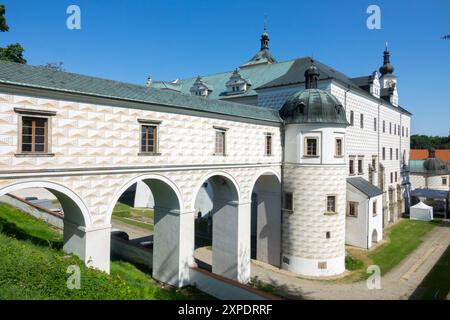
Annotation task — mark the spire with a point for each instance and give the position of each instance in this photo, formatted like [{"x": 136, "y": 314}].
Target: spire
[
  {"x": 265, "y": 36},
  {"x": 311, "y": 76},
  {"x": 387, "y": 67}
]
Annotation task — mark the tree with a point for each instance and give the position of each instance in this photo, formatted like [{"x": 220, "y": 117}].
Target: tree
[
  {"x": 426, "y": 142},
  {"x": 57, "y": 66},
  {"x": 3, "y": 26},
  {"x": 446, "y": 37},
  {"x": 13, "y": 52}
]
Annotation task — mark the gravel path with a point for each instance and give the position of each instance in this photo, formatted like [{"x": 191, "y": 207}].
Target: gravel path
[{"x": 399, "y": 283}]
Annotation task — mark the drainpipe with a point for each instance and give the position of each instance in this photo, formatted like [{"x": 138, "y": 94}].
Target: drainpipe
[
  {"x": 282, "y": 137},
  {"x": 367, "y": 222}
]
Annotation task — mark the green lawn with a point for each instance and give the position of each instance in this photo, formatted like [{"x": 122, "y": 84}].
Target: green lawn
[
  {"x": 32, "y": 266},
  {"x": 141, "y": 218},
  {"x": 400, "y": 240},
  {"x": 436, "y": 284}
]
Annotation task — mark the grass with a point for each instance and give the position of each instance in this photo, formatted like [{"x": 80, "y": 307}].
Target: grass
[
  {"x": 436, "y": 284},
  {"x": 141, "y": 218},
  {"x": 32, "y": 266},
  {"x": 400, "y": 241},
  {"x": 125, "y": 211},
  {"x": 263, "y": 286}
]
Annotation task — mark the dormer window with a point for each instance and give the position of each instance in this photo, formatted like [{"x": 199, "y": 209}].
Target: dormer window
[
  {"x": 200, "y": 88},
  {"x": 237, "y": 84}
]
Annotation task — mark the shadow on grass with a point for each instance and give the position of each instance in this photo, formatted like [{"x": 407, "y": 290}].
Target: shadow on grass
[{"x": 12, "y": 230}]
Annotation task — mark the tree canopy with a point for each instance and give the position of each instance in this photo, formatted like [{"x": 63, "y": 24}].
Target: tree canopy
[
  {"x": 426, "y": 142},
  {"x": 13, "y": 52},
  {"x": 3, "y": 26}
]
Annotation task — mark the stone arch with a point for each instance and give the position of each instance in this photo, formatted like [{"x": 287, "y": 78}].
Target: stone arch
[
  {"x": 265, "y": 227},
  {"x": 68, "y": 198},
  {"x": 172, "y": 234},
  {"x": 230, "y": 227},
  {"x": 80, "y": 237},
  {"x": 206, "y": 177},
  {"x": 144, "y": 177}
]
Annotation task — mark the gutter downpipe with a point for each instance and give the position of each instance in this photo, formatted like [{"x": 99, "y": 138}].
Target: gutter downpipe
[{"x": 283, "y": 130}]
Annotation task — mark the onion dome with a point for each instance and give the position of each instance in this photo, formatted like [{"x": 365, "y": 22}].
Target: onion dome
[
  {"x": 434, "y": 166},
  {"x": 387, "y": 67}
]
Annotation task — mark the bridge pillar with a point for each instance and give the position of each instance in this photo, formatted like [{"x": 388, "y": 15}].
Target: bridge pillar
[
  {"x": 231, "y": 241},
  {"x": 173, "y": 246},
  {"x": 91, "y": 244}
]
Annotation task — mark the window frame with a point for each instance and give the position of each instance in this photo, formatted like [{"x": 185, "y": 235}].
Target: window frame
[
  {"x": 268, "y": 147},
  {"x": 352, "y": 118},
  {"x": 222, "y": 131},
  {"x": 446, "y": 181},
  {"x": 361, "y": 121},
  {"x": 374, "y": 208},
  {"x": 291, "y": 194},
  {"x": 336, "y": 154},
  {"x": 305, "y": 147},
  {"x": 327, "y": 212},
  {"x": 35, "y": 114},
  {"x": 356, "y": 205},
  {"x": 351, "y": 164},
  {"x": 149, "y": 123},
  {"x": 360, "y": 160}
]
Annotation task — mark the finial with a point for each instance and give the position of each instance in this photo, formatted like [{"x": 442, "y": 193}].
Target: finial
[
  {"x": 265, "y": 22},
  {"x": 386, "y": 46}
]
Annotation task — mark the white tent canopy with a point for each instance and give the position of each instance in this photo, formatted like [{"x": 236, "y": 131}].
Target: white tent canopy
[{"x": 421, "y": 212}]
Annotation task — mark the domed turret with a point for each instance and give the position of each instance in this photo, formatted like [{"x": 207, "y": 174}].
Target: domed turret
[
  {"x": 313, "y": 105},
  {"x": 434, "y": 166}
]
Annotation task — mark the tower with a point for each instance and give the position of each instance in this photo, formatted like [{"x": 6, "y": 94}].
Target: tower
[{"x": 314, "y": 181}]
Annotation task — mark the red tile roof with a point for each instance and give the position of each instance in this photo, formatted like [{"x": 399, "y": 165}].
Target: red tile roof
[{"x": 422, "y": 154}]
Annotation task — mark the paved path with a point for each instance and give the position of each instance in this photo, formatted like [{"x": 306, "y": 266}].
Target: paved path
[
  {"x": 399, "y": 283},
  {"x": 134, "y": 232}
]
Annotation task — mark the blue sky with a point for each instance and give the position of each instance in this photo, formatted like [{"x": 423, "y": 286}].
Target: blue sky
[{"x": 127, "y": 40}]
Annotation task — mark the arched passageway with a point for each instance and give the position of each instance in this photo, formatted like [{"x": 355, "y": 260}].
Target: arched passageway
[
  {"x": 266, "y": 219},
  {"x": 91, "y": 244},
  {"x": 171, "y": 253},
  {"x": 374, "y": 236},
  {"x": 227, "y": 223}
]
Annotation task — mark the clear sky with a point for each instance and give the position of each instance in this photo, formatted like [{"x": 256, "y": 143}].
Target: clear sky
[{"x": 127, "y": 40}]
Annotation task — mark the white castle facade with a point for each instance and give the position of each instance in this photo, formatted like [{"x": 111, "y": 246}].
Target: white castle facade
[{"x": 295, "y": 154}]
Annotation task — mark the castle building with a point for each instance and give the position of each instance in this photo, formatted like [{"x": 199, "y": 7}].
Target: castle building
[{"x": 298, "y": 159}]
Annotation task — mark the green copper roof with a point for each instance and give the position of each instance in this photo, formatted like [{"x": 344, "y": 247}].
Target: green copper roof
[
  {"x": 44, "y": 78},
  {"x": 313, "y": 106},
  {"x": 258, "y": 75}
]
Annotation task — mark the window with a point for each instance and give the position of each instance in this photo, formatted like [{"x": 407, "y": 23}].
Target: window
[
  {"x": 407, "y": 132},
  {"x": 352, "y": 209},
  {"x": 322, "y": 265},
  {"x": 398, "y": 130},
  {"x": 361, "y": 120},
  {"x": 390, "y": 127},
  {"x": 360, "y": 166},
  {"x": 288, "y": 203},
  {"x": 374, "y": 163},
  {"x": 220, "y": 142},
  {"x": 268, "y": 144},
  {"x": 328, "y": 234},
  {"x": 384, "y": 153},
  {"x": 338, "y": 152},
  {"x": 148, "y": 138},
  {"x": 34, "y": 135},
  {"x": 352, "y": 118},
  {"x": 403, "y": 131},
  {"x": 392, "y": 177},
  {"x": 311, "y": 147},
  {"x": 390, "y": 153},
  {"x": 395, "y": 129},
  {"x": 396, "y": 154},
  {"x": 331, "y": 204},
  {"x": 374, "y": 124},
  {"x": 374, "y": 208},
  {"x": 444, "y": 181},
  {"x": 351, "y": 168},
  {"x": 396, "y": 176},
  {"x": 384, "y": 126}
]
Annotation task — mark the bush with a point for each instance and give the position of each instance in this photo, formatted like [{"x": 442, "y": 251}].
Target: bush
[{"x": 353, "y": 264}]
